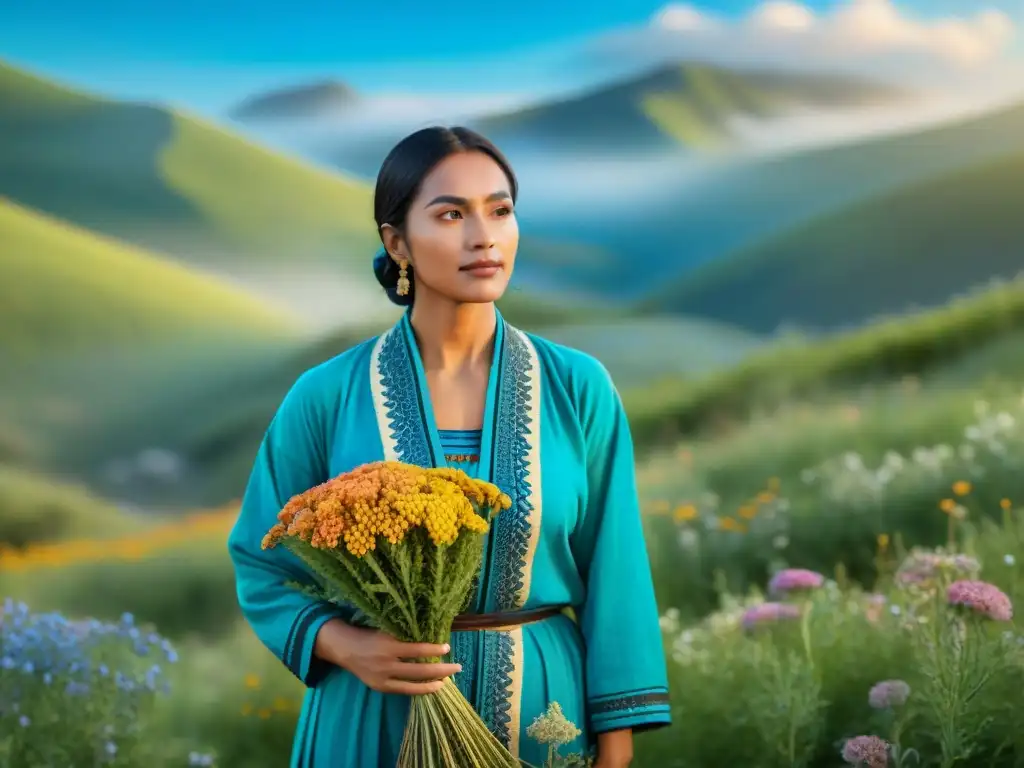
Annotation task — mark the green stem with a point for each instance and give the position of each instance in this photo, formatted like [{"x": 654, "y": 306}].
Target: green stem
[
  {"x": 386, "y": 583},
  {"x": 805, "y": 633}
]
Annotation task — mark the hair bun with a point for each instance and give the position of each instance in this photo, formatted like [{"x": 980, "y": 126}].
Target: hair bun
[{"x": 386, "y": 271}]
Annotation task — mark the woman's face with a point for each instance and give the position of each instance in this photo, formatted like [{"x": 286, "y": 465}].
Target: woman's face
[{"x": 461, "y": 233}]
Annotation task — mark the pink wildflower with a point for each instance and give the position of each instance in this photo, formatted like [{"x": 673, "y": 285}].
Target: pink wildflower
[
  {"x": 767, "y": 613},
  {"x": 869, "y": 751},
  {"x": 888, "y": 694},
  {"x": 980, "y": 597},
  {"x": 794, "y": 580}
]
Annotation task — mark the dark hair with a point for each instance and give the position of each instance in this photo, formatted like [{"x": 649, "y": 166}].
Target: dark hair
[{"x": 399, "y": 180}]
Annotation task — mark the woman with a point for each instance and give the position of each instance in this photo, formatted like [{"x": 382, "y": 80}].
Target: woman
[{"x": 453, "y": 384}]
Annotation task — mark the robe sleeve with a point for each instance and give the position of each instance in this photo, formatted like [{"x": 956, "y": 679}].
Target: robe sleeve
[
  {"x": 291, "y": 459},
  {"x": 626, "y": 676}
]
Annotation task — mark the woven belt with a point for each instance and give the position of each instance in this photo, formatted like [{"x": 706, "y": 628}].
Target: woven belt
[{"x": 471, "y": 622}]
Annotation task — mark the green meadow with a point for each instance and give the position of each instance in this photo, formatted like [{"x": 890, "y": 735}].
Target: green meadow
[{"x": 139, "y": 373}]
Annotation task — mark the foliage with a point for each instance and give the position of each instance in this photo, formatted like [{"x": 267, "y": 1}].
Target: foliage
[
  {"x": 739, "y": 513},
  {"x": 35, "y": 508},
  {"x": 884, "y": 351},
  {"x": 759, "y": 688},
  {"x": 78, "y": 692}
]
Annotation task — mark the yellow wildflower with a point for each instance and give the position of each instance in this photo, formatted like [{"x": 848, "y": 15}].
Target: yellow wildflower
[
  {"x": 731, "y": 524},
  {"x": 384, "y": 500},
  {"x": 252, "y": 681},
  {"x": 1005, "y": 504},
  {"x": 685, "y": 512},
  {"x": 883, "y": 541},
  {"x": 947, "y": 506},
  {"x": 748, "y": 511},
  {"x": 961, "y": 487}
]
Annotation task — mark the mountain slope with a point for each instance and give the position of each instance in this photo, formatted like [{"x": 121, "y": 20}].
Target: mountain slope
[
  {"x": 66, "y": 290},
  {"x": 300, "y": 102},
  {"x": 915, "y": 246},
  {"x": 171, "y": 182},
  {"x": 687, "y": 104}
]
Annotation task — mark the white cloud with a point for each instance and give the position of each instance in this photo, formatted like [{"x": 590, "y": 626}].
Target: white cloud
[
  {"x": 683, "y": 17},
  {"x": 854, "y": 30},
  {"x": 781, "y": 16}
]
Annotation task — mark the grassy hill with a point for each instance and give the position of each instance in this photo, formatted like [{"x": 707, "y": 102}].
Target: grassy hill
[
  {"x": 92, "y": 327},
  {"x": 968, "y": 340},
  {"x": 745, "y": 204},
  {"x": 915, "y": 246},
  {"x": 172, "y": 182},
  {"x": 67, "y": 290},
  {"x": 688, "y": 104}
]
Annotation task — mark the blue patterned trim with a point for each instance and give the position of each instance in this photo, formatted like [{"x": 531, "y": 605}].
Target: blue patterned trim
[
  {"x": 403, "y": 399},
  {"x": 628, "y": 701},
  {"x": 640, "y": 709},
  {"x": 494, "y": 706},
  {"x": 509, "y": 467}
]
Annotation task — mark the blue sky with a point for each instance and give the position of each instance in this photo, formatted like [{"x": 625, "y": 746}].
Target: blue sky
[{"x": 213, "y": 52}]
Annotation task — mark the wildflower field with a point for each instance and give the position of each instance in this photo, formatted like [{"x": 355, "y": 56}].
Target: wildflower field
[{"x": 837, "y": 575}]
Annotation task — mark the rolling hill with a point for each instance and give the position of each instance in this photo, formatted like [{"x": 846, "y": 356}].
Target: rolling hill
[
  {"x": 696, "y": 217},
  {"x": 682, "y": 107},
  {"x": 685, "y": 104},
  {"x": 90, "y": 327},
  {"x": 912, "y": 247},
  {"x": 65, "y": 289},
  {"x": 171, "y": 182}
]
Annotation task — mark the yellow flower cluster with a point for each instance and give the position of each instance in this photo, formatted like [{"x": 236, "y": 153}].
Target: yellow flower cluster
[{"x": 385, "y": 499}]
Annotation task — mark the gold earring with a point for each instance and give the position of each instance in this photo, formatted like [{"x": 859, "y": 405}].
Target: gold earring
[{"x": 403, "y": 278}]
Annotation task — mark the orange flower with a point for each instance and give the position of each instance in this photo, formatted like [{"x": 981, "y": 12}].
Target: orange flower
[
  {"x": 961, "y": 487},
  {"x": 1005, "y": 504},
  {"x": 383, "y": 500},
  {"x": 947, "y": 505},
  {"x": 748, "y": 511}
]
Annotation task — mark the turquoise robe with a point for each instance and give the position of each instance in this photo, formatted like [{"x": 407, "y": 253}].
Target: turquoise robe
[{"x": 556, "y": 440}]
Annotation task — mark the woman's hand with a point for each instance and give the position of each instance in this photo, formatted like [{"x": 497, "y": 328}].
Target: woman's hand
[
  {"x": 379, "y": 660},
  {"x": 615, "y": 749}
]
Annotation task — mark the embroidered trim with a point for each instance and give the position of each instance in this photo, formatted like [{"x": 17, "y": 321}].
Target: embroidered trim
[
  {"x": 628, "y": 700},
  {"x": 511, "y": 449},
  {"x": 462, "y": 458},
  {"x": 495, "y": 701},
  {"x": 403, "y": 400}
]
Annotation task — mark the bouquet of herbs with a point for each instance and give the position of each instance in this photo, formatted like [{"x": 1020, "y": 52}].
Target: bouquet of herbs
[{"x": 403, "y": 544}]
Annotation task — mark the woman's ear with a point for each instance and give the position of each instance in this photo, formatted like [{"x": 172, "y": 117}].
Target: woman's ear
[{"x": 393, "y": 243}]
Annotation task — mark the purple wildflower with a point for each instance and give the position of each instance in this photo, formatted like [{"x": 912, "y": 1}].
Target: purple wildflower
[
  {"x": 869, "y": 751},
  {"x": 767, "y": 613},
  {"x": 794, "y": 580},
  {"x": 888, "y": 694},
  {"x": 980, "y": 597}
]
